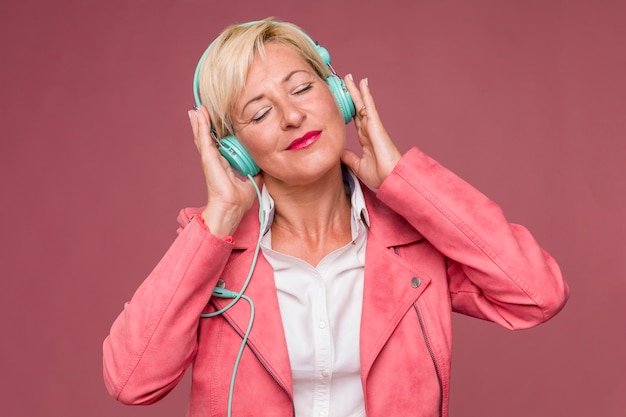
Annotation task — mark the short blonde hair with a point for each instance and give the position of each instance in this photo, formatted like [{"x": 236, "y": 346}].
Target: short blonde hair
[{"x": 225, "y": 65}]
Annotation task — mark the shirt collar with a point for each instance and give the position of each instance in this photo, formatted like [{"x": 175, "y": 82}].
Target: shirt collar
[{"x": 353, "y": 188}]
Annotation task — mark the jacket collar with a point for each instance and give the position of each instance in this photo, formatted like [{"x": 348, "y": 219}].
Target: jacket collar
[{"x": 389, "y": 227}]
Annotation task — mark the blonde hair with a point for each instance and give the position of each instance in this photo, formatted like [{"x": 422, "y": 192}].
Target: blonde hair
[{"x": 225, "y": 66}]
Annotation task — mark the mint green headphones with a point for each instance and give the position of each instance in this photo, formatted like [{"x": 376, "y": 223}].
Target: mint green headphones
[{"x": 231, "y": 149}]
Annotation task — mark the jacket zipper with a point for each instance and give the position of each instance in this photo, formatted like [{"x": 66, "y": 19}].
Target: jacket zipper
[
  {"x": 269, "y": 371},
  {"x": 432, "y": 357},
  {"x": 428, "y": 347}
]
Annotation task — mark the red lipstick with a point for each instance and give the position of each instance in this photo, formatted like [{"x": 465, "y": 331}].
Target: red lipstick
[{"x": 305, "y": 141}]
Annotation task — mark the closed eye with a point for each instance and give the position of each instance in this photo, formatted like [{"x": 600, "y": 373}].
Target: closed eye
[
  {"x": 303, "y": 88},
  {"x": 260, "y": 115}
]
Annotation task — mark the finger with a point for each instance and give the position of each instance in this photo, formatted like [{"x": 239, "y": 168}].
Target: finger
[
  {"x": 199, "y": 120},
  {"x": 351, "y": 160},
  {"x": 367, "y": 98},
  {"x": 204, "y": 139},
  {"x": 355, "y": 94},
  {"x": 204, "y": 129},
  {"x": 193, "y": 121},
  {"x": 215, "y": 165},
  {"x": 357, "y": 100},
  {"x": 357, "y": 97}
]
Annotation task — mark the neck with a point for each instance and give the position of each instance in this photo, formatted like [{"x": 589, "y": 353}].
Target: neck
[{"x": 311, "y": 221}]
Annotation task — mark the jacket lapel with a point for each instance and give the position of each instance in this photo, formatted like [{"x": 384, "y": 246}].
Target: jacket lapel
[
  {"x": 391, "y": 284},
  {"x": 267, "y": 337}
]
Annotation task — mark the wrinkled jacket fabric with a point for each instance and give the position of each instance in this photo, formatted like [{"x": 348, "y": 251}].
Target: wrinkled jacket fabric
[{"x": 435, "y": 245}]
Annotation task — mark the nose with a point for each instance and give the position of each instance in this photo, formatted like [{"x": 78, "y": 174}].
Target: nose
[{"x": 292, "y": 114}]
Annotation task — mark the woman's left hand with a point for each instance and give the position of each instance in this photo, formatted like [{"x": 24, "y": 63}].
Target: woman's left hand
[{"x": 379, "y": 154}]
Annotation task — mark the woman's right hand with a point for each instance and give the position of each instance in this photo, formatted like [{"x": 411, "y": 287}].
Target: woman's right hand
[{"x": 229, "y": 196}]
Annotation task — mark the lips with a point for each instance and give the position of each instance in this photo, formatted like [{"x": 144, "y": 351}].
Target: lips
[{"x": 305, "y": 141}]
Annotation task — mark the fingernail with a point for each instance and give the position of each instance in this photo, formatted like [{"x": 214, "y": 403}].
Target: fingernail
[
  {"x": 367, "y": 82},
  {"x": 350, "y": 76},
  {"x": 190, "y": 113}
]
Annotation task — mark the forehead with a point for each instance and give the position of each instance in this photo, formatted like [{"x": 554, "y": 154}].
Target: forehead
[{"x": 275, "y": 58}]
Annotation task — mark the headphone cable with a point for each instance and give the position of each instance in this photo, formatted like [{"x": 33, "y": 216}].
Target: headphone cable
[{"x": 236, "y": 296}]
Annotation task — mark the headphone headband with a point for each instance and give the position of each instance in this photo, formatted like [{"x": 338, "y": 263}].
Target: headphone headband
[{"x": 322, "y": 52}]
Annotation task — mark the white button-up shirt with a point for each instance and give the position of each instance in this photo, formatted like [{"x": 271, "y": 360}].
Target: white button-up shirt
[{"x": 321, "y": 313}]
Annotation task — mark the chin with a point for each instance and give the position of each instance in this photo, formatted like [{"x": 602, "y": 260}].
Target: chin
[{"x": 304, "y": 172}]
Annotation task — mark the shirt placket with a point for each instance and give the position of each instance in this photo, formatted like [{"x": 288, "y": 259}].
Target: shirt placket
[{"x": 323, "y": 352}]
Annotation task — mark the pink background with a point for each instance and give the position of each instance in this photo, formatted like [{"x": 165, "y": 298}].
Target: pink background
[{"x": 524, "y": 99}]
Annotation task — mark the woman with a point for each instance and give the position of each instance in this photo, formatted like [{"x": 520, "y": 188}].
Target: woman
[{"x": 362, "y": 259}]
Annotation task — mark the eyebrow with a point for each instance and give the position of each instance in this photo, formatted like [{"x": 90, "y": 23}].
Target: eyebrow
[{"x": 260, "y": 96}]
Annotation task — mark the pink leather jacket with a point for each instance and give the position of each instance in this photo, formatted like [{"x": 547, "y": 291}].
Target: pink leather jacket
[{"x": 435, "y": 245}]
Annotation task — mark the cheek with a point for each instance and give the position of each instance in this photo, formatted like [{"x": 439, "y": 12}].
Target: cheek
[
  {"x": 338, "y": 124},
  {"x": 255, "y": 141}
]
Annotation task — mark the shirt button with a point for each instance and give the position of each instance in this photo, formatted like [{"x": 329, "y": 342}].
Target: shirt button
[
  {"x": 415, "y": 282},
  {"x": 324, "y": 373},
  {"x": 322, "y": 325}
]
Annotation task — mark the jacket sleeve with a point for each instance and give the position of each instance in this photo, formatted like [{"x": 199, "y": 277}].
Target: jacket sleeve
[
  {"x": 496, "y": 270},
  {"x": 154, "y": 339}
]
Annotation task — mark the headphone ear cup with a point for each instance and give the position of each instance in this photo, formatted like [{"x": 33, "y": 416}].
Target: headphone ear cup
[
  {"x": 339, "y": 90},
  {"x": 237, "y": 156}
]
